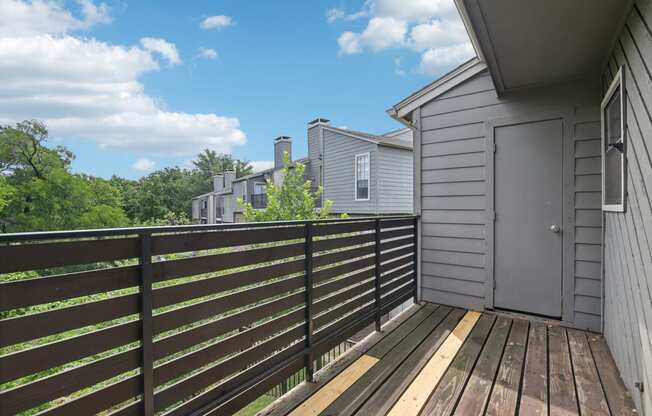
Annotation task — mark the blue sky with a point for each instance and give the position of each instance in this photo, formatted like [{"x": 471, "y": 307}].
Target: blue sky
[{"x": 132, "y": 86}]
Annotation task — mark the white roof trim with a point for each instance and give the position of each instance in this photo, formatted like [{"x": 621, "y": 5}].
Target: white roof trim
[
  {"x": 437, "y": 88},
  {"x": 376, "y": 141}
]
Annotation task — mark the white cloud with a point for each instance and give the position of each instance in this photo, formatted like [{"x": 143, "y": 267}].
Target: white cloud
[
  {"x": 381, "y": 33},
  {"x": 144, "y": 165},
  {"x": 21, "y": 18},
  {"x": 216, "y": 22},
  {"x": 335, "y": 14},
  {"x": 90, "y": 90},
  {"x": 260, "y": 165},
  {"x": 166, "y": 49},
  {"x": 432, "y": 28},
  {"x": 207, "y": 53}
]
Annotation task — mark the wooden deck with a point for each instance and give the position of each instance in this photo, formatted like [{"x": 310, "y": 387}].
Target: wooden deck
[{"x": 439, "y": 360}]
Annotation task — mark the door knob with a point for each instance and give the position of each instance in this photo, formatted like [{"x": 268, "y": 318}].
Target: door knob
[{"x": 555, "y": 228}]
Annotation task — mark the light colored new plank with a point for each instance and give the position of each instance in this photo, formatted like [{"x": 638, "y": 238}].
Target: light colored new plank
[
  {"x": 415, "y": 397},
  {"x": 331, "y": 391}
]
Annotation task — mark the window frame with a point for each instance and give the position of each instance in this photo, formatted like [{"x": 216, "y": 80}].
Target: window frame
[
  {"x": 355, "y": 175},
  {"x": 618, "y": 81},
  {"x": 260, "y": 185}
]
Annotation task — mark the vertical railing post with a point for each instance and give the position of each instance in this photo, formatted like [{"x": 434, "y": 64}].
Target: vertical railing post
[
  {"x": 146, "y": 323},
  {"x": 416, "y": 259},
  {"x": 377, "y": 273},
  {"x": 310, "y": 358}
]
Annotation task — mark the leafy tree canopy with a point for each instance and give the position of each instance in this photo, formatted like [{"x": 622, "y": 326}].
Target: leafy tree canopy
[{"x": 291, "y": 200}]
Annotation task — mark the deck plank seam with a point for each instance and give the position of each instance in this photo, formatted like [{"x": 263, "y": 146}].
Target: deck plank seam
[{"x": 475, "y": 362}]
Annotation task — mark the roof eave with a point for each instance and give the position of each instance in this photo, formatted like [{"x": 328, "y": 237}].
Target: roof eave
[{"x": 460, "y": 74}]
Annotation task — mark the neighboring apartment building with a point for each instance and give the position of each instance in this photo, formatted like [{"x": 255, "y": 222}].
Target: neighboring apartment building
[{"x": 361, "y": 173}]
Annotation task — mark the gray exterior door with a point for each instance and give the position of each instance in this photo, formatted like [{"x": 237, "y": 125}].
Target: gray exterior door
[{"x": 528, "y": 199}]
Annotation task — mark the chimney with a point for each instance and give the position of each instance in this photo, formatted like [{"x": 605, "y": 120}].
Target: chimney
[
  {"x": 218, "y": 183},
  {"x": 229, "y": 177},
  {"x": 317, "y": 121},
  {"x": 282, "y": 144}
]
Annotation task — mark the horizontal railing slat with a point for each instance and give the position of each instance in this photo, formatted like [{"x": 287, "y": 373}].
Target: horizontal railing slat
[
  {"x": 175, "y": 318},
  {"x": 244, "y": 340},
  {"x": 343, "y": 268},
  {"x": 399, "y": 271},
  {"x": 341, "y": 228},
  {"x": 188, "y": 338},
  {"x": 185, "y": 388},
  {"x": 396, "y": 283},
  {"x": 335, "y": 285},
  {"x": 341, "y": 242},
  {"x": 165, "y": 270},
  {"x": 42, "y": 324},
  {"x": 389, "y": 245},
  {"x": 178, "y": 293},
  {"x": 49, "y": 388},
  {"x": 24, "y": 257},
  {"x": 179, "y": 243},
  {"x": 43, "y": 357},
  {"x": 101, "y": 399},
  {"x": 28, "y": 292},
  {"x": 395, "y": 223},
  {"x": 330, "y": 258},
  {"x": 398, "y": 233},
  {"x": 327, "y": 318},
  {"x": 333, "y": 300},
  {"x": 395, "y": 254}
]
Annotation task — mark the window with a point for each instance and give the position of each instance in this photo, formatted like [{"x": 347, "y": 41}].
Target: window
[
  {"x": 614, "y": 145},
  {"x": 259, "y": 188},
  {"x": 362, "y": 177}
]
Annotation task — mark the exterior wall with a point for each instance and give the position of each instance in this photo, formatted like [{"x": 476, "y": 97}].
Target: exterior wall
[
  {"x": 314, "y": 153},
  {"x": 628, "y": 235},
  {"x": 452, "y": 198},
  {"x": 339, "y": 173},
  {"x": 394, "y": 180}
]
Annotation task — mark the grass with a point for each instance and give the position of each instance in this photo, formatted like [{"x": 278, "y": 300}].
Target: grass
[{"x": 256, "y": 406}]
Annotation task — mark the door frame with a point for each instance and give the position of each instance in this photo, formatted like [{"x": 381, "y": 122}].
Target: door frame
[{"x": 568, "y": 204}]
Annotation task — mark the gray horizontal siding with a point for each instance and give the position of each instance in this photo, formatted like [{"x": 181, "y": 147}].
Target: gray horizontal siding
[
  {"x": 339, "y": 173},
  {"x": 453, "y": 189},
  {"x": 628, "y": 236},
  {"x": 395, "y": 180}
]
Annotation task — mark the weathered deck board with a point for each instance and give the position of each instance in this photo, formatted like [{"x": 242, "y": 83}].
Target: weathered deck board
[
  {"x": 504, "y": 396},
  {"x": 442, "y": 401},
  {"x": 563, "y": 400},
  {"x": 385, "y": 397},
  {"x": 413, "y": 399},
  {"x": 619, "y": 399},
  {"x": 589, "y": 390},
  {"x": 534, "y": 397},
  {"x": 349, "y": 402},
  {"x": 476, "y": 395},
  {"x": 447, "y": 361}
]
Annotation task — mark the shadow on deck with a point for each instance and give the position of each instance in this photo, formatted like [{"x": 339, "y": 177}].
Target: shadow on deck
[{"x": 439, "y": 360}]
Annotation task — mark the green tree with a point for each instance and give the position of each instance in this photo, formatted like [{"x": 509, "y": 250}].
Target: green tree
[
  {"x": 292, "y": 200},
  {"x": 209, "y": 163},
  {"x": 38, "y": 191}
]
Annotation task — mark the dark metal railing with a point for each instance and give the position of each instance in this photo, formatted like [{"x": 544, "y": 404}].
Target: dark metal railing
[{"x": 188, "y": 319}]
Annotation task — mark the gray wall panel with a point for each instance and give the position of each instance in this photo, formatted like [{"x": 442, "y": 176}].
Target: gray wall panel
[
  {"x": 628, "y": 236},
  {"x": 395, "y": 180},
  {"x": 453, "y": 187}
]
